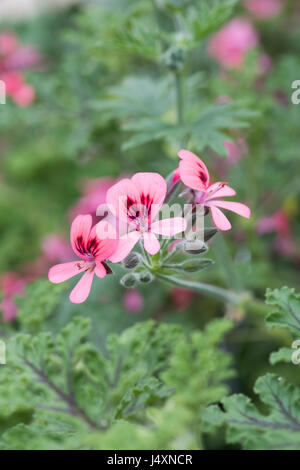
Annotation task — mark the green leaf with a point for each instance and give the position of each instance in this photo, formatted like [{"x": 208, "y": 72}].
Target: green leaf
[
  {"x": 207, "y": 16},
  {"x": 245, "y": 424},
  {"x": 287, "y": 313},
  {"x": 65, "y": 384}
]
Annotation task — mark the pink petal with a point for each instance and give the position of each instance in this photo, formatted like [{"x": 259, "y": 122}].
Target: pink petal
[
  {"x": 237, "y": 207},
  {"x": 223, "y": 191},
  {"x": 119, "y": 194},
  {"x": 151, "y": 243},
  {"x": 80, "y": 232},
  {"x": 176, "y": 176},
  {"x": 82, "y": 289},
  {"x": 220, "y": 219},
  {"x": 193, "y": 171},
  {"x": 100, "y": 270},
  {"x": 151, "y": 187},
  {"x": 125, "y": 245},
  {"x": 62, "y": 272},
  {"x": 169, "y": 227},
  {"x": 107, "y": 240}
]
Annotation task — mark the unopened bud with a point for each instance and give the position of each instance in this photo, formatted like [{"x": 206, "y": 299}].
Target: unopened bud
[
  {"x": 195, "y": 265},
  {"x": 146, "y": 277},
  {"x": 131, "y": 261},
  {"x": 129, "y": 280},
  {"x": 195, "y": 247},
  {"x": 174, "y": 58},
  {"x": 209, "y": 232}
]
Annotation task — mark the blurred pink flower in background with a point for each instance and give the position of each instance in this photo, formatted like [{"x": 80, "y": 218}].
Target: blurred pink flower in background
[
  {"x": 11, "y": 285},
  {"x": 94, "y": 193},
  {"x": 13, "y": 59},
  {"x": 284, "y": 244},
  {"x": 182, "y": 298},
  {"x": 8, "y": 43},
  {"x": 133, "y": 301},
  {"x": 277, "y": 222},
  {"x": 24, "y": 96},
  {"x": 231, "y": 43},
  {"x": 264, "y": 64},
  {"x": 55, "y": 248},
  {"x": 235, "y": 151},
  {"x": 264, "y": 9}
]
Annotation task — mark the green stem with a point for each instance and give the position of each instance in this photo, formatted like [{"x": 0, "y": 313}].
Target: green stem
[
  {"x": 179, "y": 98},
  {"x": 212, "y": 291}
]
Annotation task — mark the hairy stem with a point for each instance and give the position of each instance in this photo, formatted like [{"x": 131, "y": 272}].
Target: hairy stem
[{"x": 207, "y": 289}]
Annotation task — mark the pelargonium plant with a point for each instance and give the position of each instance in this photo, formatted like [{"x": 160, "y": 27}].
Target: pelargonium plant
[{"x": 134, "y": 216}]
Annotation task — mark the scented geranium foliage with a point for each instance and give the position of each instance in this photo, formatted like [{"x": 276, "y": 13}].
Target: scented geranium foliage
[
  {"x": 66, "y": 391},
  {"x": 133, "y": 209},
  {"x": 279, "y": 426}
]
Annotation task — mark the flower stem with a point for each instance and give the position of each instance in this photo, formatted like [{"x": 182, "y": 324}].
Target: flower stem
[
  {"x": 179, "y": 98},
  {"x": 212, "y": 291}
]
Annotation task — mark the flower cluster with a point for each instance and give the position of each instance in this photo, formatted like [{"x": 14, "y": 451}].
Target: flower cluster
[{"x": 132, "y": 212}]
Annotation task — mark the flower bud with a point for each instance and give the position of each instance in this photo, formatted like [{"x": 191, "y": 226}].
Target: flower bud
[
  {"x": 146, "y": 277},
  {"x": 129, "y": 280},
  {"x": 209, "y": 232},
  {"x": 131, "y": 261},
  {"x": 195, "y": 265},
  {"x": 174, "y": 58},
  {"x": 195, "y": 247}
]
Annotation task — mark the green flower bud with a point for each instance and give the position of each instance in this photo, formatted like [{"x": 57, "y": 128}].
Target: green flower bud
[
  {"x": 146, "y": 277},
  {"x": 131, "y": 261},
  {"x": 195, "y": 265},
  {"x": 209, "y": 232},
  {"x": 174, "y": 58},
  {"x": 195, "y": 247},
  {"x": 129, "y": 280}
]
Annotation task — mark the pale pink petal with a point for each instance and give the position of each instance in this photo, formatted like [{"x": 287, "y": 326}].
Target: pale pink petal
[
  {"x": 152, "y": 188},
  {"x": 100, "y": 270},
  {"x": 218, "y": 190},
  {"x": 120, "y": 195},
  {"x": 169, "y": 227},
  {"x": 193, "y": 172},
  {"x": 82, "y": 289},
  {"x": 62, "y": 272},
  {"x": 80, "y": 232},
  {"x": 124, "y": 247},
  {"x": 220, "y": 220},
  {"x": 237, "y": 207},
  {"x": 107, "y": 241},
  {"x": 151, "y": 243}
]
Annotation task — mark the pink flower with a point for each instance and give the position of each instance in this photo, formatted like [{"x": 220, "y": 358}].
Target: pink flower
[
  {"x": 55, "y": 248},
  {"x": 24, "y": 96},
  {"x": 263, "y": 9},
  {"x": 277, "y": 222},
  {"x": 13, "y": 59},
  {"x": 230, "y": 45},
  {"x": 194, "y": 174},
  {"x": 235, "y": 151},
  {"x": 133, "y": 301},
  {"x": 8, "y": 43},
  {"x": 182, "y": 298},
  {"x": 137, "y": 202},
  {"x": 93, "y": 246},
  {"x": 11, "y": 284}
]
